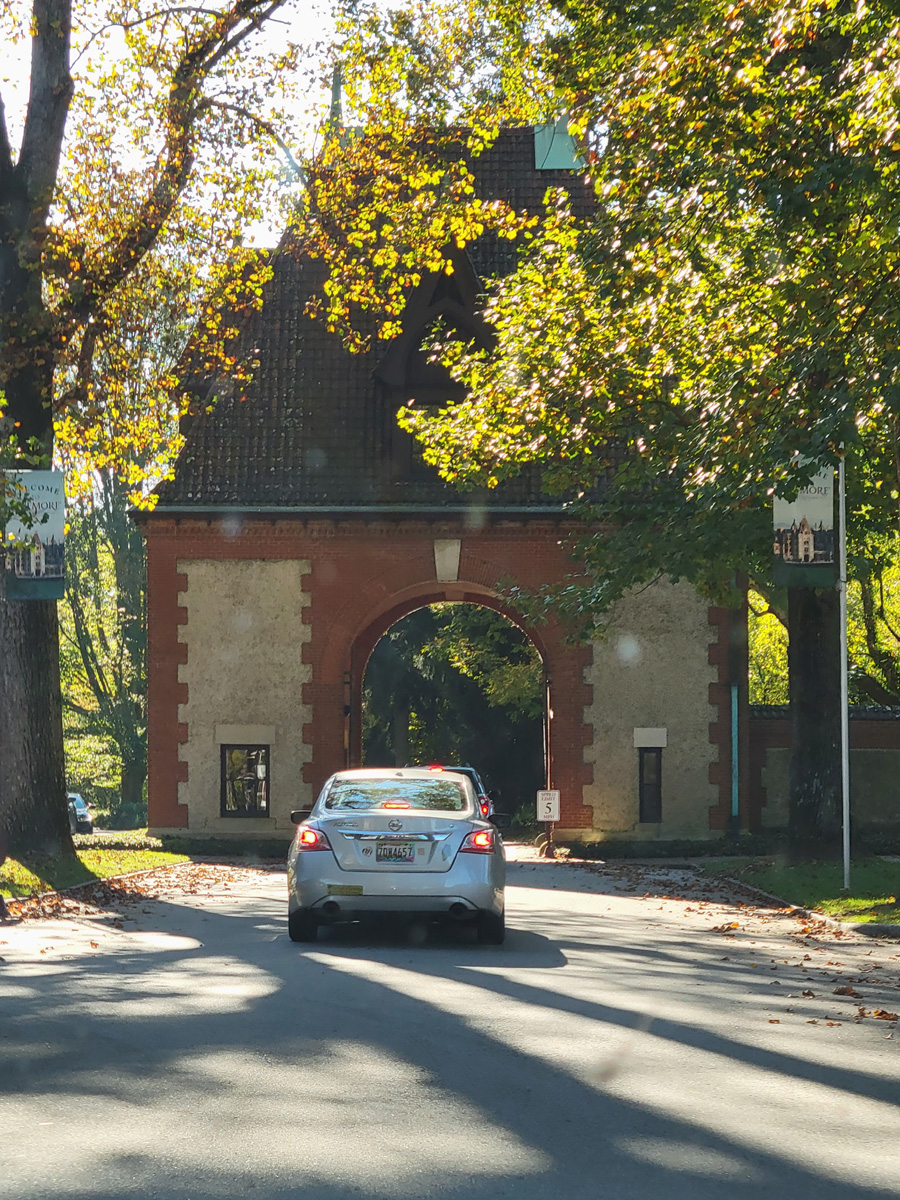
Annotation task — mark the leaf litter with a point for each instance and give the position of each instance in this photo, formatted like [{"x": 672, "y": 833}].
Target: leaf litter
[{"x": 117, "y": 898}]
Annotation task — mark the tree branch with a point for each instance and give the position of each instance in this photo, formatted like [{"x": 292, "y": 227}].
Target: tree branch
[
  {"x": 185, "y": 9},
  {"x": 184, "y": 107},
  {"x": 48, "y": 105},
  {"x": 265, "y": 127},
  {"x": 92, "y": 668}
]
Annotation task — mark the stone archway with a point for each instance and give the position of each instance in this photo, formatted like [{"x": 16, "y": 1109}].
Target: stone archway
[
  {"x": 393, "y": 570},
  {"x": 365, "y": 645}
]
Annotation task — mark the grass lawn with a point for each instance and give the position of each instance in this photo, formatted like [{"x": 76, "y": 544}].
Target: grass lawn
[
  {"x": 874, "y": 885},
  {"x": 36, "y": 875}
]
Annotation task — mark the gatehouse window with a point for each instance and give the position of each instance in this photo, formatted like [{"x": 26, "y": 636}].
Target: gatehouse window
[
  {"x": 650, "y": 784},
  {"x": 245, "y": 781}
]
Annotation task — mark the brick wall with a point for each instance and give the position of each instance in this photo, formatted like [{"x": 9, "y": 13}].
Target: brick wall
[{"x": 874, "y": 768}]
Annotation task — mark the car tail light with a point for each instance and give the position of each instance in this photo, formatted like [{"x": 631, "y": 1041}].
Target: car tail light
[
  {"x": 479, "y": 841},
  {"x": 312, "y": 839},
  {"x": 485, "y": 808}
]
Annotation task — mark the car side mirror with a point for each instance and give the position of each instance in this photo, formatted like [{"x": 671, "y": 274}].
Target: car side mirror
[
  {"x": 501, "y": 820},
  {"x": 300, "y": 814}
]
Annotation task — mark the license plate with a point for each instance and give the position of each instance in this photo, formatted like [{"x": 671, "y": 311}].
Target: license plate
[
  {"x": 395, "y": 852},
  {"x": 344, "y": 889}
]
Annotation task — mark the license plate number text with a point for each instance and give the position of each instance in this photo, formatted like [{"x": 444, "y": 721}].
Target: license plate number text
[{"x": 394, "y": 852}]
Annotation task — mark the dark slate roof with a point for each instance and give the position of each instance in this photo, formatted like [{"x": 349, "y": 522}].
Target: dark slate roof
[{"x": 316, "y": 427}]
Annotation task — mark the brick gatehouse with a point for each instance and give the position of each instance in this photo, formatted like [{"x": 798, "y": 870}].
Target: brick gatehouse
[{"x": 301, "y": 523}]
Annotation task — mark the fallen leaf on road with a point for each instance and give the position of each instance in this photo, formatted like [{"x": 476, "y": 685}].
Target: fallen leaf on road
[
  {"x": 807, "y": 992},
  {"x": 847, "y": 991},
  {"x": 881, "y": 1014},
  {"x": 774, "y": 1021}
]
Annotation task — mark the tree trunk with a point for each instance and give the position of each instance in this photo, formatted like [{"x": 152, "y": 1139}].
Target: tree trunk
[
  {"x": 134, "y": 772},
  {"x": 32, "y": 765},
  {"x": 401, "y": 736},
  {"x": 814, "y": 817}
]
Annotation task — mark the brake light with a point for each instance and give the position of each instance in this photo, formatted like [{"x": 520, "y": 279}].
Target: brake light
[
  {"x": 479, "y": 841},
  {"x": 485, "y": 808},
  {"x": 395, "y": 804},
  {"x": 312, "y": 839},
  {"x": 435, "y": 768}
]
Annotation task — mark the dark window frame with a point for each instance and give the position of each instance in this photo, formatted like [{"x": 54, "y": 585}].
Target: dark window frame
[
  {"x": 650, "y": 785},
  {"x": 261, "y": 808}
]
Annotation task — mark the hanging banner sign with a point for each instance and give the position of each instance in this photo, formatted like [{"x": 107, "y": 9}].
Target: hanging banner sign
[
  {"x": 804, "y": 543},
  {"x": 35, "y": 553}
]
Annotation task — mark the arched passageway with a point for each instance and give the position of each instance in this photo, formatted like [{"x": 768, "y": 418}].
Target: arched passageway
[{"x": 459, "y": 684}]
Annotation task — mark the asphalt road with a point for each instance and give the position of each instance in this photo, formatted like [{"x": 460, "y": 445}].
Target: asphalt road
[{"x": 632, "y": 1039}]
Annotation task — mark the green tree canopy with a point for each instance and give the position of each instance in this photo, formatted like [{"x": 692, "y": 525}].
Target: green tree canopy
[{"x": 725, "y": 318}]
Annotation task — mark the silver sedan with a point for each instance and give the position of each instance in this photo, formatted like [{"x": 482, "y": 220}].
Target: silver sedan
[{"x": 404, "y": 843}]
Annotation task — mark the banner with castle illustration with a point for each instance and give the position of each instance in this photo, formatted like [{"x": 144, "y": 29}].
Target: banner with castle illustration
[
  {"x": 804, "y": 542},
  {"x": 35, "y": 552}
]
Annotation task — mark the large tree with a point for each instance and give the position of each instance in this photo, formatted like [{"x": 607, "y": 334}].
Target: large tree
[{"x": 140, "y": 155}]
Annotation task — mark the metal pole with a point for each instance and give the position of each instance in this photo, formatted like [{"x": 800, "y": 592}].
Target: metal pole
[
  {"x": 735, "y": 767},
  {"x": 845, "y": 710}
]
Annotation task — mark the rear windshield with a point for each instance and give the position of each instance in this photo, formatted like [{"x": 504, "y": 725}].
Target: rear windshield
[{"x": 442, "y": 794}]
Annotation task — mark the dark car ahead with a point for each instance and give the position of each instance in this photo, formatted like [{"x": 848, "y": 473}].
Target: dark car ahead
[
  {"x": 80, "y": 819},
  {"x": 485, "y": 798}
]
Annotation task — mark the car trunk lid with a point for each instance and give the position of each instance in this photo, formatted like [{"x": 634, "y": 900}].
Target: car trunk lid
[{"x": 391, "y": 841}]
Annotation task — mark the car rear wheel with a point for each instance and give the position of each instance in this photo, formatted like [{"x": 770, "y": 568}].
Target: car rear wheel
[
  {"x": 302, "y": 926},
  {"x": 491, "y": 929}
]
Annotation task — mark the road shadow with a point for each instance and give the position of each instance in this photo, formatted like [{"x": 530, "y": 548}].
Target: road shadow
[
  {"x": 456, "y": 944},
  {"x": 366, "y": 1055}
]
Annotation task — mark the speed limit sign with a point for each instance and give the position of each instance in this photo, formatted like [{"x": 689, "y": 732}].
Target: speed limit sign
[{"x": 548, "y": 805}]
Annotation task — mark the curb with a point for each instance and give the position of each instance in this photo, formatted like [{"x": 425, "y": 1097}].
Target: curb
[
  {"x": 868, "y": 929},
  {"x": 212, "y": 860},
  {"x": 80, "y": 887}
]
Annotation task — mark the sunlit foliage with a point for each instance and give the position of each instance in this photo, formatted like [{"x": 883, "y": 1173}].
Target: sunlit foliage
[
  {"x": 103, "y": 653},
  {"x": 160, "y": 137}
]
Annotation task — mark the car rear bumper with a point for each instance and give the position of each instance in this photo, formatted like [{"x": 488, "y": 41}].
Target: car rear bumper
[{"x": 463, "y": 891}]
